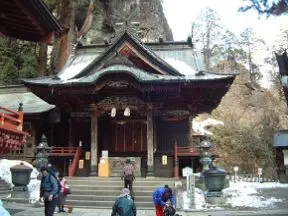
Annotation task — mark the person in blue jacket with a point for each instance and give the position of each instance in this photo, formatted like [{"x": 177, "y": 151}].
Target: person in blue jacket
[
  {"x": 160, "y": 196},
  {"x": 48, "y": 191}
]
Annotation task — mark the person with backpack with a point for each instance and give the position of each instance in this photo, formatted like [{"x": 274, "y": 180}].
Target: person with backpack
[
  {"x": 48, "y": 191},
  {"x": 124, "y": 205},
  {"x": 160, "y": 197}
]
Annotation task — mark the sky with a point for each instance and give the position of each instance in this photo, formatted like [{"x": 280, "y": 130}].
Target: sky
[{"x": 181, "y": 14}]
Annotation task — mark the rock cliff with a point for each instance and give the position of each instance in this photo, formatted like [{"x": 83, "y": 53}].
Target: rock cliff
[{"x": 146, "y": 17}]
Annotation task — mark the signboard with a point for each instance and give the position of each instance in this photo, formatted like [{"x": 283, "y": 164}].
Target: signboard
[
  {"x": 87, "y": 155},
  {"x": 187, "y": 171},
  {"x": 285, "y": 154},
  {"x": 164, "y": 160},
  {"x": 104, "y": 154},
  {"x": 260, "y": 171},
  {"x": 81, "y": 164}
]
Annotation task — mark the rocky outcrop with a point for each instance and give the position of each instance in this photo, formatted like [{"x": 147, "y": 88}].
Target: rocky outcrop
[{"x": 110, "y": 13}]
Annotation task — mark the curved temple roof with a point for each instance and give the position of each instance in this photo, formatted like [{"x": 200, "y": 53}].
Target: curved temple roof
[{"x": 163, "y": 63}]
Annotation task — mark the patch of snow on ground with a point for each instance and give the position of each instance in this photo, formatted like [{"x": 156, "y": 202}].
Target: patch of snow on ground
[
  {"x": 244, "y": 194},
  {"x": 34, "y": 190},
  {"x": 199, "y": 201},
  {"x": 33, "y": 186},
  {"x": 240, "y": 194}
]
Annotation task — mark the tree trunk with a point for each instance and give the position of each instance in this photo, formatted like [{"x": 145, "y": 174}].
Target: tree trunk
[
  {"x": 67, "y": 20},
  {"x": 42, "y": 60}
]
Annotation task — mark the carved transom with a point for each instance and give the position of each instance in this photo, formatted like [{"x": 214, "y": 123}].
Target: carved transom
[
  {"x": 117, "y": 84},
  {"x": 121, "y": 101}
]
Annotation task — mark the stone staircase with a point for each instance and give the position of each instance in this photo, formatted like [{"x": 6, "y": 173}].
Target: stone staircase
[
  {"x": 5, "y": 189},
  {"x": 97, "y": 192}
]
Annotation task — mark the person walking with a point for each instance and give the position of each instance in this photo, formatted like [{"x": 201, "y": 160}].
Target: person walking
[
  {"x": 129, "y": 176},
  {"x": 124, "y": 205},
  {"x": 48, "y": 191},
  {"x": 160, "y": 197}
]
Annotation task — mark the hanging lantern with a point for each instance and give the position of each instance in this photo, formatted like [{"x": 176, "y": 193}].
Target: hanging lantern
[
  {"x": 113, "y": 112},
  {"x": 127, "y": 112}
]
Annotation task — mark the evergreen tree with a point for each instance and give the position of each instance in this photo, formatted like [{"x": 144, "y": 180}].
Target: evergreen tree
[
  {"x": 206, "y": 33},
  {"x": 251, "y": 42}
]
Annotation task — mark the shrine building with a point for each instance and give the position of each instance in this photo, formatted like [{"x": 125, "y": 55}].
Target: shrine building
[{"x": 131, "y": 99}]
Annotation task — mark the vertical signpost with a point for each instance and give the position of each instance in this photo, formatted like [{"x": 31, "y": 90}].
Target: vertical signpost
[
  {"x": 260, "y": 170},
  {"x": 236, "y": 168},
  {"x": 190, "y": 182}
]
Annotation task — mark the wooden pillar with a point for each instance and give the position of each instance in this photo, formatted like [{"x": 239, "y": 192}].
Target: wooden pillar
[
  {"x": 70, "y": 144},
  {"x": 150, "y": 139},
  {"x": 190, "y": 131},
  {"x": 94, "y": 145}
]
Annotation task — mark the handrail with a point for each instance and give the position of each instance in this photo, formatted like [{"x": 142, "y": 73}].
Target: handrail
[
  {"x": 183, "y": 151},
  {"x": 11, "y": 120},
  {"x": 63, "y": 151},
  {"x": 73, "y": 166}
]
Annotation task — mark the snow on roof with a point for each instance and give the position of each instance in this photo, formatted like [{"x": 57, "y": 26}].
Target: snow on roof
[
  {"x": 181, "y": 66},
  {"x": 75, "y": 65}
]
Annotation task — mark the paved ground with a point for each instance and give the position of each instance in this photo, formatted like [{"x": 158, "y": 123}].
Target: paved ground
[
  {"x": 32, "y": 210},
  {"x": 280, "y": 208}
]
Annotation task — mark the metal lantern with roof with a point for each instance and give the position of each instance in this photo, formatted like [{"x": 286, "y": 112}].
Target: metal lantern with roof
[
  {"x": 205, "y": 147},
  {"x": 42, "y": 153}
]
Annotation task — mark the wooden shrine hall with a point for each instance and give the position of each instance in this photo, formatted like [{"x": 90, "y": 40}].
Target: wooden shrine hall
[{"x": 132, "y": 99}]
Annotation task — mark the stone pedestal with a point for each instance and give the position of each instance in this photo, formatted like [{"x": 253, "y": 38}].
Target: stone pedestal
[
  {"x": 21, "y": 193},
  {"x": 213, "y": 200}
]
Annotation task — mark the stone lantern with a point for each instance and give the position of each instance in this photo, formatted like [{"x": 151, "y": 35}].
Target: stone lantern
[
  {"x": 42, "y": 153},
  {"x": 20, "y": 176},
  {"x": 205, "y": 160}
]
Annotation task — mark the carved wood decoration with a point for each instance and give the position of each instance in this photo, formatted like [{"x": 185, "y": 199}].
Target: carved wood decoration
[
  {"x": 121, "y": 102},
  {"x": 117, "y": 84}
]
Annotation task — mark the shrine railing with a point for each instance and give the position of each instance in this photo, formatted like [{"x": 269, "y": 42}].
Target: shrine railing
[
  {"x": 63, "y": 151},
  {"x": 183, "y": 151},
  {"x": 11, "y": 120},
  {"x": 12, "y": 138},
  {"x": 74, "y": 165},
  {"x": 74, "y": 152}
]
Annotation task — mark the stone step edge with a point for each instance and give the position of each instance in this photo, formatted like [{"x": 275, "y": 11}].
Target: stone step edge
[
  {"x": 104, "y": 196},
  {"x": 135, "y": 186},
  {"x": 101, "y": 201},
  {"x": 94, "y": 207},
  {"x": 79, "y": 190}
]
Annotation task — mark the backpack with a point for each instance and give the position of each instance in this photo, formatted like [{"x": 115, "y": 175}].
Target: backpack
[
  {"x": 169, "y": 211},
  {"x": 58, "y": 183}
]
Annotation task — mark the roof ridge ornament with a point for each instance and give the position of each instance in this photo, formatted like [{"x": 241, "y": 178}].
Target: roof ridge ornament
[{"x": 126, "y": 24}]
